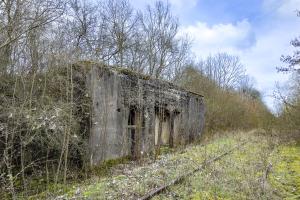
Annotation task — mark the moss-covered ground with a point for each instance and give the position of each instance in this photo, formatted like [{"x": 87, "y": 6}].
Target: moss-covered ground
[
  {"x": 286, "y": 171},
  {"x": 263, "y": 168}
]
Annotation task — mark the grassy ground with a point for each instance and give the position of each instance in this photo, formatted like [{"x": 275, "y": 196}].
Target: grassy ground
[
  {"x": 264, "y": 168},
  {"x": 286, "y": 172}
]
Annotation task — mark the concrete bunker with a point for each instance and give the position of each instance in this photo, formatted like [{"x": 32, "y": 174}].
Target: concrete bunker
[{"x": 132, "y": 114}]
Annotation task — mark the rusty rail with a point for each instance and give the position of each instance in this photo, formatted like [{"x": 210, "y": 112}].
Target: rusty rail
[{"x": 162, "y": 188}]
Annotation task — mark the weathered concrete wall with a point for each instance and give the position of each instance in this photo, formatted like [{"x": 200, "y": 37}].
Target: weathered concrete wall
[{"x": 131, "y": 111}]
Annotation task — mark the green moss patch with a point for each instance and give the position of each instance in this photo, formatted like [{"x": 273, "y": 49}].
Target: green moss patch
[
  {"x": 104, "y": 169},
  {"x": 285, "y": 176}
]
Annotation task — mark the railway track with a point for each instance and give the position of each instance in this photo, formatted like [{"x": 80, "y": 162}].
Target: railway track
[{"x": 179, "y": 179}]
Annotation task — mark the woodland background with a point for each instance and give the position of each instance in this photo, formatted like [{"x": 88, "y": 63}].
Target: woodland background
[{"x": 42, "y": 140}]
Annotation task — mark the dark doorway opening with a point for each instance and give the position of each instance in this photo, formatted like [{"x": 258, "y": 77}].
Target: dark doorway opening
[{"x": 132, "y": 124}]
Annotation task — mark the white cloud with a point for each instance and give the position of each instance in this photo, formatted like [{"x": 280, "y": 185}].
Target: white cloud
[
  {"x": 231, "y": 38},
  {"x": 289, "y": 7},
  {"x": 181, "y": 9},
  {"x": 273, "y": 40},
  {"x": 259, "y": 48},
  {"x": 180, "y": 4},
  {"x": 283, "y": 8}
]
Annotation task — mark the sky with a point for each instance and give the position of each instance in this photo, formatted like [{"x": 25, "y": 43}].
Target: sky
[{"x": 258, "y": 31}]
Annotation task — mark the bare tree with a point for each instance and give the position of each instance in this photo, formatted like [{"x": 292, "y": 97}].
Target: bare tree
[
  {"x": 19, "y": 18},
  {"x": 136, "y": 55},
  {"x": 292, "y": 61},
  {"x": 289, "y": 95},
  {"x": 120, "y": 22},
  {"x": 224, "y": 69},
  {"x": 160, "y": 29},
  {"x": 180, "y": 59},
  {"x": 81, "y": 24}
]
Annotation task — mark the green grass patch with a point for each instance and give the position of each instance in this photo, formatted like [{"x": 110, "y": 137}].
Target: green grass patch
[{"x": 285, "y": 176}]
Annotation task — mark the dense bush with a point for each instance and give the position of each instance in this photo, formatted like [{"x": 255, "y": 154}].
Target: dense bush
[
  {"x": 43, "y": 129},
  {"x": 227, "y": 109}
]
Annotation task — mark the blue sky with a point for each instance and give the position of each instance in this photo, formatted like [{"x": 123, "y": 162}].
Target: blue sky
[{"x": 258, "y": 31}]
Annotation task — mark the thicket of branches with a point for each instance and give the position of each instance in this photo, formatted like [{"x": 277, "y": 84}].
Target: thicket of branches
[
  {"x": 35, "y": 35},
  {"x": 44, "y": 109}
]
